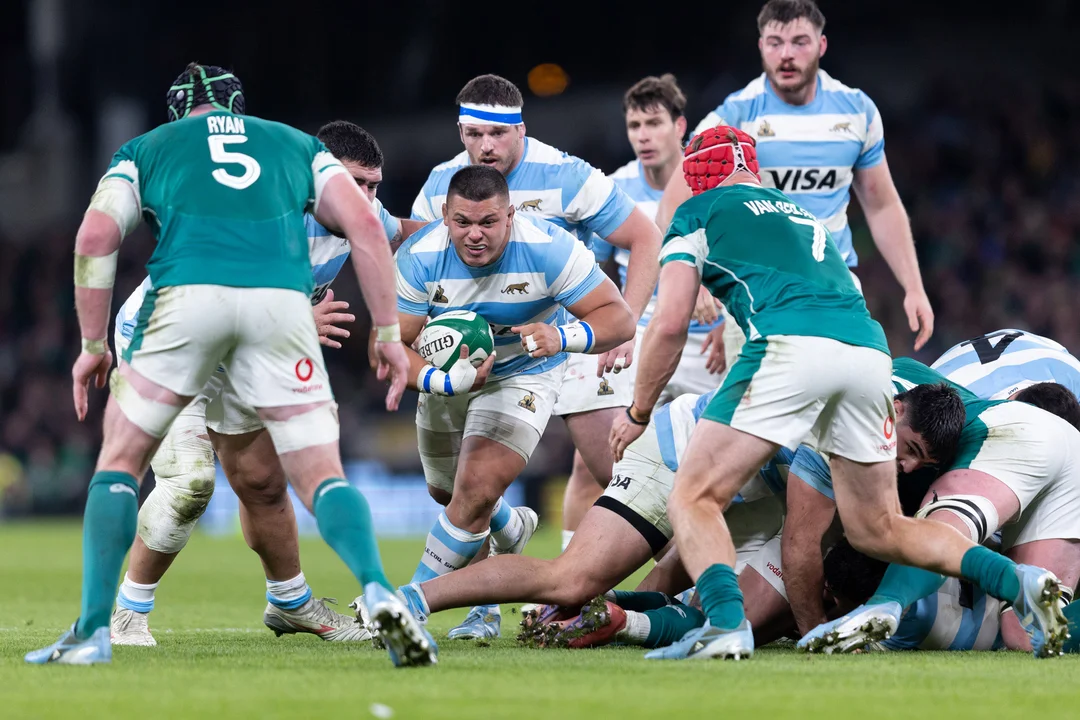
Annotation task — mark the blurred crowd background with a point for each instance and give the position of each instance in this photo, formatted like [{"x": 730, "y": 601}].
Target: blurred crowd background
[{"x": 982, "y": 133}]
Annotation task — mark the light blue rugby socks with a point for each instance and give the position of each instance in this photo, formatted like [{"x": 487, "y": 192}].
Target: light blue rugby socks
[{"x": 448, "y": 548}]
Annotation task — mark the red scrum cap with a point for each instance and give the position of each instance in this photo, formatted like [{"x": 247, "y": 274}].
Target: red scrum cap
[{"x": 715, "y": 154}]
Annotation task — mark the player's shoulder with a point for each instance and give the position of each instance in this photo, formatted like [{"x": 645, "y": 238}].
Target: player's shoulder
[
  {"x": 629, "y": 171},
  {"x": 754, "y": 89},
  {"x": 431, "y": 238},
  {"x": 838, "y": 97},
  {"x": 315, "y": 229},
  {"x": 536, "y": 231}
]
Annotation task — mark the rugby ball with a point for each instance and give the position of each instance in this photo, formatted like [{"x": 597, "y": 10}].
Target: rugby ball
[{"x": 441, "y": 339}]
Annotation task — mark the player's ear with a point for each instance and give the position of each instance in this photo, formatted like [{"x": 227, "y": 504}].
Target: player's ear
[
  {"x": 822, "y": 46},
  {"x": 680, "y": 126},
  {"x": 445, "y": 216},
  {"x": 510, "y": 212},
  {"x": 521, "y": 131}
]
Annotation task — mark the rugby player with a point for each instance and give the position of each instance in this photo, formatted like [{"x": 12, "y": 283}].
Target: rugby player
[
  {"x": 231, "y": 280},
  {"x": 476, "y": 434},
  {"x": 816, "y": 367},
  {"x": 184, "y": 462},
  {"x": 997, "y": 365},
  {"x": 818, "y": 139},
  {"x": 547, "y": 183},
  {"x": 1017, "y": 471},
  {"x": 653, "y": 109}
]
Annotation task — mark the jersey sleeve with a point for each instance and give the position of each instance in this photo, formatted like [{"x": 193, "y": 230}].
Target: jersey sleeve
[
  {"x": 571, "y": 271},
  {"x": 411, "y": 288},
  {"x": 685, "y": 241},
  {"x": 390, "y": 224},
  {"x": 421, "y": 207},
  {"x": 602, "y": 250},
  {"x": 323, "y": 167},
  {"x": 592, "y": 198},
  {"x": 873, "y": 149},
  {"x": 118, "y": 193},
  {"x": 812, "y": 469}
]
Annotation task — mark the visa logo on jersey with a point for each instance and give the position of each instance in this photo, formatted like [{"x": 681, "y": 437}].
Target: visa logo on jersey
[{"x": 803, "y": 179}]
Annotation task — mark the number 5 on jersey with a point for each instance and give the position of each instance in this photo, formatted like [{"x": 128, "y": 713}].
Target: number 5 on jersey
[
  {"x": 220, "y": 155},
  {"x": 820, "y": 235}
]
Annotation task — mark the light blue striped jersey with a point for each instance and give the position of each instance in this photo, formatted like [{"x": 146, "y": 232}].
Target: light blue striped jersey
[
  {"x": 542, "y": 270},
  {"x": 809, "y": 152},
  {"x": 546, "y": 183},
  {"x": 674, "y": 424},
  {"x": 328, "y": 256},
  {"x": 959, "y": 616},
  {"x": 630, "y": 178},
  {"x": 1001, "y": 363}
]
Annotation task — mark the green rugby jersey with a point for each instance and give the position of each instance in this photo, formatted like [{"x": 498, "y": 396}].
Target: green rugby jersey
[
  {"x": 772, "y": 264},
  {"x": 226, "y": 196},
  {"x": 908, "y": 373}
]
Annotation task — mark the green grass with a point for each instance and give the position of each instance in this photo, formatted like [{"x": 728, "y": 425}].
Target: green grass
[{"x": 215, "y": 659}]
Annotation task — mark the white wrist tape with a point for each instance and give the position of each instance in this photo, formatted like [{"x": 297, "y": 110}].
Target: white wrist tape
[
  {"x": 388, "y": 333},
  {"x": 96, "y": 272},
  {"x": 94, "y": 347},
  {"x": 576, "y": 337}
]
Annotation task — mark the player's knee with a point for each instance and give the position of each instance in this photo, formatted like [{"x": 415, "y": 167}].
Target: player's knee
[
  {"x": 475, "y": 493},
  {"x": 267, "y": 488},
  {"x": 573, "y": 587},
  {"x": 168, "y": 517}
]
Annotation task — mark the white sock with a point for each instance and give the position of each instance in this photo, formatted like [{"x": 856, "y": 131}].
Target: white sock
[
  {"x": 135, "y": 596},
  {"x": 506, "y": 526},
  {"x": 288, "y": 594},
  {"x": 567, "y": 535},
  {"x": 636, "y": 630}
]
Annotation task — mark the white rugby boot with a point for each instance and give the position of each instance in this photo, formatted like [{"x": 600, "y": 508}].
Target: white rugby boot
[
  {"x": 316, "y": 618},
  {"x": 128, "y": 627}
]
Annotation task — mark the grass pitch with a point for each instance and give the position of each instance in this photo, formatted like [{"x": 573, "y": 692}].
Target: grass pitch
[{"x": 215, "y": 659}]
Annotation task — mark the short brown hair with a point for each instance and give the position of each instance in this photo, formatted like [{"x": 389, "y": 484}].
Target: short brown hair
[
  {"x": 490, "y": 90},
  {"x": 785, "y": 11},
  {"x": 653, "y": 92}
]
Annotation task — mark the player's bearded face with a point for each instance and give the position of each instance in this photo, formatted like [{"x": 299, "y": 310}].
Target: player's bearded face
[
  {"x": 367, "y": 178},
  {"x": 654, "y": 135},
  {"x": 791, "y": 54},
  {"x": 499, "y": 146},
  {"x": 479, "y": 230}
]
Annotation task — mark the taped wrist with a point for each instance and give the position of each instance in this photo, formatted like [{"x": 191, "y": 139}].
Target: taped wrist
[
  {"x": 388, "y": 333},
  {"x": 434, "y": 381},
  {"x": 576, "y": 337}
]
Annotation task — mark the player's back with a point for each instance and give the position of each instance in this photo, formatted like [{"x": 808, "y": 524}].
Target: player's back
[
  {"x": 772, "y": 264},
  {"x": 1000, "y": 363},
  {"x": 226, "y": 196},
  {"x": 958, "y": 616}
]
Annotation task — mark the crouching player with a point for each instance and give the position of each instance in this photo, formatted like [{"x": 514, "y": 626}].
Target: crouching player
[
  {"x": 217, "y": 418},
  {"x": 477, "y": 428},
  {"x": 1017, "y": 470}
]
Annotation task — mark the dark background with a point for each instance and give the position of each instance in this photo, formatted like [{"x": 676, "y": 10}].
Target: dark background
[{"x": 980, "y": 110}]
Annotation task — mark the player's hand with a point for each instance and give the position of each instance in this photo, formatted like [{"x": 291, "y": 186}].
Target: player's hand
[
  {"x": 707, "y": 308},
  {"x": 416, "y": 343},
  {"x": 88, "y": 366},
  {"x": 482, "y": 372},
  {"x": 713, "y": 344},
  {"x": 623, "y": 432},
  {"x": 539, "y": 339},
  {"x": 920, "y": 316},
  {"x": 393, "y": 364},
  {"x": 616, "y": 359},
  {"x": 328, "y": 315}
]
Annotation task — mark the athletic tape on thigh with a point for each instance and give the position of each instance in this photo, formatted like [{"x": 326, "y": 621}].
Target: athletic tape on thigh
[
  {"x": 315, "y": 427},
  {"x": 151, "y": 416},
  {"x": 504, "y": 429},
  {"x": 439, "y": 454},
  {"x": 977, "y": 513}
]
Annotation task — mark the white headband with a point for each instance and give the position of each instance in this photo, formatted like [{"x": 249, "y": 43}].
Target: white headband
[{"x": 473, "y": 114}]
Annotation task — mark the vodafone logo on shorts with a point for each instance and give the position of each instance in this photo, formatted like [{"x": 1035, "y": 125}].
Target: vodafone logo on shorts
[
  {"x": 304, "y": 370},
  {"x": 889, "y": 427}
]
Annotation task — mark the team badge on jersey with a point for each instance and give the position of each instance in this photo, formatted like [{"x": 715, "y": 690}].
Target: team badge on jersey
[
  {"x": 528, "y": 402},
  {"x": 521, "y": 288},
  {"x": 841, "y": 127},
  {"x": 531, "y": 205},
  {"x": 439, "y": 296},
  {"x": 604, "y": 388},
  {"x": 765, "y": 130}
]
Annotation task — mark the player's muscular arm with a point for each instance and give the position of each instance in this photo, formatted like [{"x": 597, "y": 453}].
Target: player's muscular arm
[
  {"x": 98, "y": 237},
  {"x": 642, "y": 238},
  {"x": 891, "y": 230},
  {"x": 665, "y": 335},
  {"x": 809, "y": 515},
  {"x": 605, "y": 312}
]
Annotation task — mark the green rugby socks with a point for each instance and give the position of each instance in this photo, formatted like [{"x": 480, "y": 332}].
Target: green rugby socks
[
  {"x": 905, "y": 585},
  {"x": 344, "y": 521},
  {"x": 721, "y": 598},
  {"x": 993, "y": 572},
  {"x": 109, "y": 524}
]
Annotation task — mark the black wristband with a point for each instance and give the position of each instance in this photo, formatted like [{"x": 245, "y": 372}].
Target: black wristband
[{"x": 633, "y": 419}]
